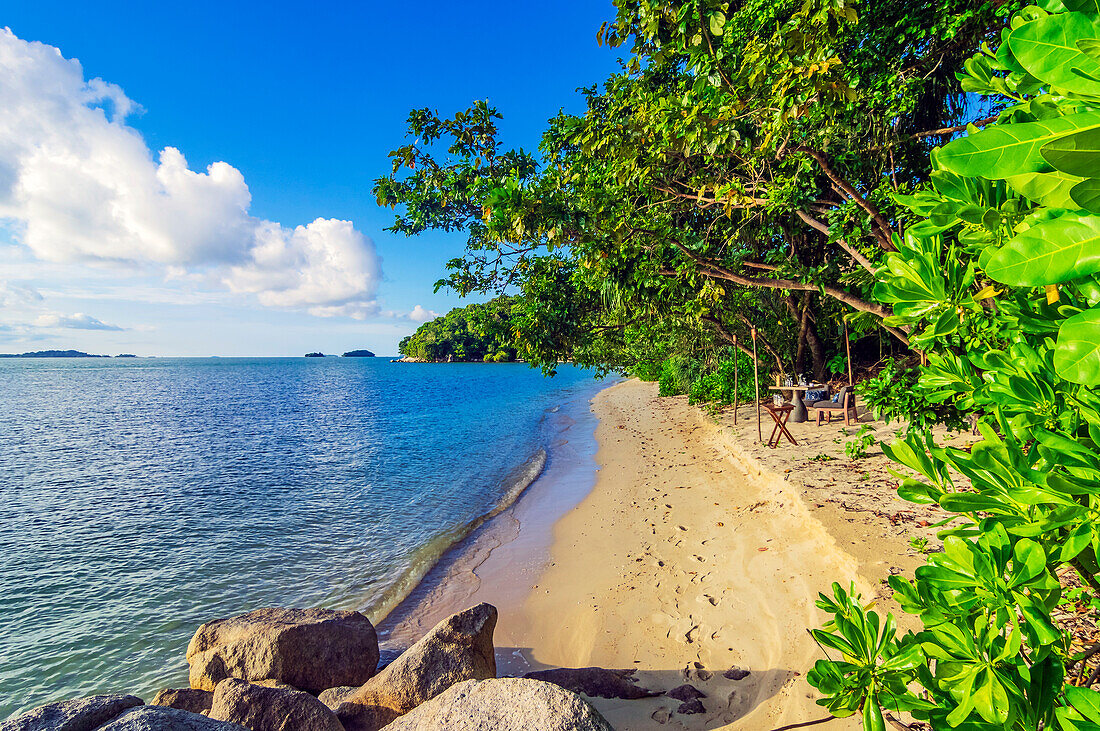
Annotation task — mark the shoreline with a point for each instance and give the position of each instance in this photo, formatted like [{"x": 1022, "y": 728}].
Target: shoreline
[
  {"x": 690, "y": 553},
  {"x": 500, "y": 560}
]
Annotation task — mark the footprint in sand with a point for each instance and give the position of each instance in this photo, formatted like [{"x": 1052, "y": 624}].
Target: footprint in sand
[
  {"x": 713, "y": 602},
  {"x": 680, "y": 527}
]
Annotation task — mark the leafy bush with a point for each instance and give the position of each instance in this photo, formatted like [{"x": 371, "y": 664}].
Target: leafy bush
[
  {"x": 857, "y": 448},
  {"x": 999, "y": 286},
  {"x": 896, "y": 394}
]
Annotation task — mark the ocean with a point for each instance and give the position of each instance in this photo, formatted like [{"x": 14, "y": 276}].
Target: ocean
[{"x": 142, "y": 497}]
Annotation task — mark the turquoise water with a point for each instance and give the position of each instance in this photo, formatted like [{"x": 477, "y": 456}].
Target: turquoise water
[{"x": 140, "y": 498}]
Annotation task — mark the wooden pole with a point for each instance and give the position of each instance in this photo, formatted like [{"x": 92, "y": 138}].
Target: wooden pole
[
  {"x": 848, "y": 348},
  {"x": 756, "y": 380},
  {"x": 736, "y": 367}
]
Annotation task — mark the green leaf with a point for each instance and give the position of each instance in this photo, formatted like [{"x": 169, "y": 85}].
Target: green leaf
[
  {"x": 1077, "y": 355},
  {"x": 717, "y": 22},
  {"x": 1052, "y": 252},
  {"x": 1086, "y": 194},
  {"x": 1090, "y": 46},
  {"x": 1047, "y": 49},
  {"x": 1076, "y": 154},
  {"x": 1085, "y": 700},
  {"x": 1077, "y": 540},
  {"x": 1083, "y": 6},
  {"x": 1049, "y": 189},
  {"x": 872, "y": 715},
  {"x": 1011, "y": 149}
]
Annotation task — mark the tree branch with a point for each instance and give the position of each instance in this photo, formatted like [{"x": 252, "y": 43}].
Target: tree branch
[
  {"x": 852, "y": 251},
  {"x": 882, "y": 234}
]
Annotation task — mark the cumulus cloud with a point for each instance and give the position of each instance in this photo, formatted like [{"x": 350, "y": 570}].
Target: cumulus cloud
[
  {"x": 79, "y": 321},
  {"x": 419, "y": 314},
  {"x": 82, "y": 186},
  {"x": 416, "y": 314}
]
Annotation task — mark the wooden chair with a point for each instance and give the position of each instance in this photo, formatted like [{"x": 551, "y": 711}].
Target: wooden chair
[{"x": 845, "y": 403}]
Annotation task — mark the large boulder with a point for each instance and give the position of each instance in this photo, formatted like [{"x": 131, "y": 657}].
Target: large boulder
[
  {"x": 310, "y": 649},
  {"x": 503, "y": 704},
  {"x": 458, "y": 648},
  {"x": 163, "y": 718},
  {"x": 335, "y": 696},
  {"x": 595, "y": 682},
  {"x": 185, "y": 699},
  {"x": 266, "y": 708},
  {"x": 79, "y": 714}
]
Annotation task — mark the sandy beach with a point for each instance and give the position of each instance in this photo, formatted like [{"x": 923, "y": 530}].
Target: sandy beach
[
  {"x": 698, "y": 550},
  {"x": 686, "y": 560}
]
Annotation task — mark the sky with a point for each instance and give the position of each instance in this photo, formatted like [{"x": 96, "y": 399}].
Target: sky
[{"x": 190, "y": 179}]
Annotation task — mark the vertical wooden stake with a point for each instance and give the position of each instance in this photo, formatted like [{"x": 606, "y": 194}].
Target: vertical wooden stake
[
  {"x": 756, "y": 380},
  {"x": 736, "y": 367},
  {"x": 848, "y": 348}
]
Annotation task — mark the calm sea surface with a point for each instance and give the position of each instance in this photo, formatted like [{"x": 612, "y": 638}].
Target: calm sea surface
[{"x": 140, "y": 498}]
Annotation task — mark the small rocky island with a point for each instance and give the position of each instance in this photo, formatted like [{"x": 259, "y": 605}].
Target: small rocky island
[
  {"x": 53, "y": 354},
  {"x": 315, "y": 355},
  {"x": 358, "y": 354},
  {"x": 281, "y": 669}
]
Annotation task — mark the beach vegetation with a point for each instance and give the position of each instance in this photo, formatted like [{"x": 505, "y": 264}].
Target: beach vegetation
[
  {"x": 896, "y": 394},
  {"x": 996, "y": 280},
  {"x": 857, "y": 447}
]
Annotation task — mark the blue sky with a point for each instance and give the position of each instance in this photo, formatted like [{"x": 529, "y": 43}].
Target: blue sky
[{"x": 109, "y": 244}]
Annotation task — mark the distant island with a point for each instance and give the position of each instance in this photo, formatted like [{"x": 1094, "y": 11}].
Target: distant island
[
  {"x": 315, "y": 355},
  {"x": 358, "y": 354},
  {"x": 55, "y": 354},
  {"x": 477, "y": 333},
  {"x": 125, "y": 355}
]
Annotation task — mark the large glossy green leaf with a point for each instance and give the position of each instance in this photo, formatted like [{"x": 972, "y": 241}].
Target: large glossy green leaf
[
  {"x": 1052, "y": 252},
  {"x": 1076, "y": 154},
  {"x": 1083, "y": 6},
  {"x": 1048, "y": 49},
  {"x": 1011, "y": 149},
  {"x": 1086, "y": 195},
  {"x": 1077, "y": 356},
  {"x": 1049, "y": 189}
]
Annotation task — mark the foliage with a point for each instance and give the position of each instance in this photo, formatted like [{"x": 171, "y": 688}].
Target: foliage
[
  {"x": 477, "y": 332},
  {"x": 997, "y": 282},
  {"x": 857, "y": 448},
  {"x": 896, "y": 394},
  {"x": 838, "y": 364}
]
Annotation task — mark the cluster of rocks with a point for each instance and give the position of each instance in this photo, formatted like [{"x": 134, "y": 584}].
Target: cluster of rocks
[{"x": 319, "y": 670}]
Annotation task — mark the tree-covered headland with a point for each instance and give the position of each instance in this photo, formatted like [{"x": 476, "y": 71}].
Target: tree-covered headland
[
  {"x": 476, "y": 332},
  {"x": 924, "y": 172}
]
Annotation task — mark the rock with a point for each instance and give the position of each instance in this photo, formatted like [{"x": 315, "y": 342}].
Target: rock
[
  {"x": 595, "y": 682},
  {"x": 310, "y": 649},
  {"x": 458, "y": 648},
  {"x": 185, "y": 699},
  {"x": 79, "y": 714},
  {"x": 686, "y": 693},
  {"x": 163, "y": 718},
  {"x": 736, "y": 673},
  {"x": 335, "y": 696},
  {"x": 503, "y": 704},
  {"x": 693, "y": 706},
  {"x": 264, "y": 708}
]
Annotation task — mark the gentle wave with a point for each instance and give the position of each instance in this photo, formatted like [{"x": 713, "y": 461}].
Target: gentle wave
[{"x": 428, "y": 555}]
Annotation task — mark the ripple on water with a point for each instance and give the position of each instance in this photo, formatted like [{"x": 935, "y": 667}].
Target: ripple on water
[{"x": 140, "y": 498}]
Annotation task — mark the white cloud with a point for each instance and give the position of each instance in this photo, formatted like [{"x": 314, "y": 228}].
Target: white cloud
[
  {"x": 419, "y": 314},
  {"x": 416, "y": 314},
  {"x": 79, "y": 321},
  {"x": 80, "y": 185}
]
